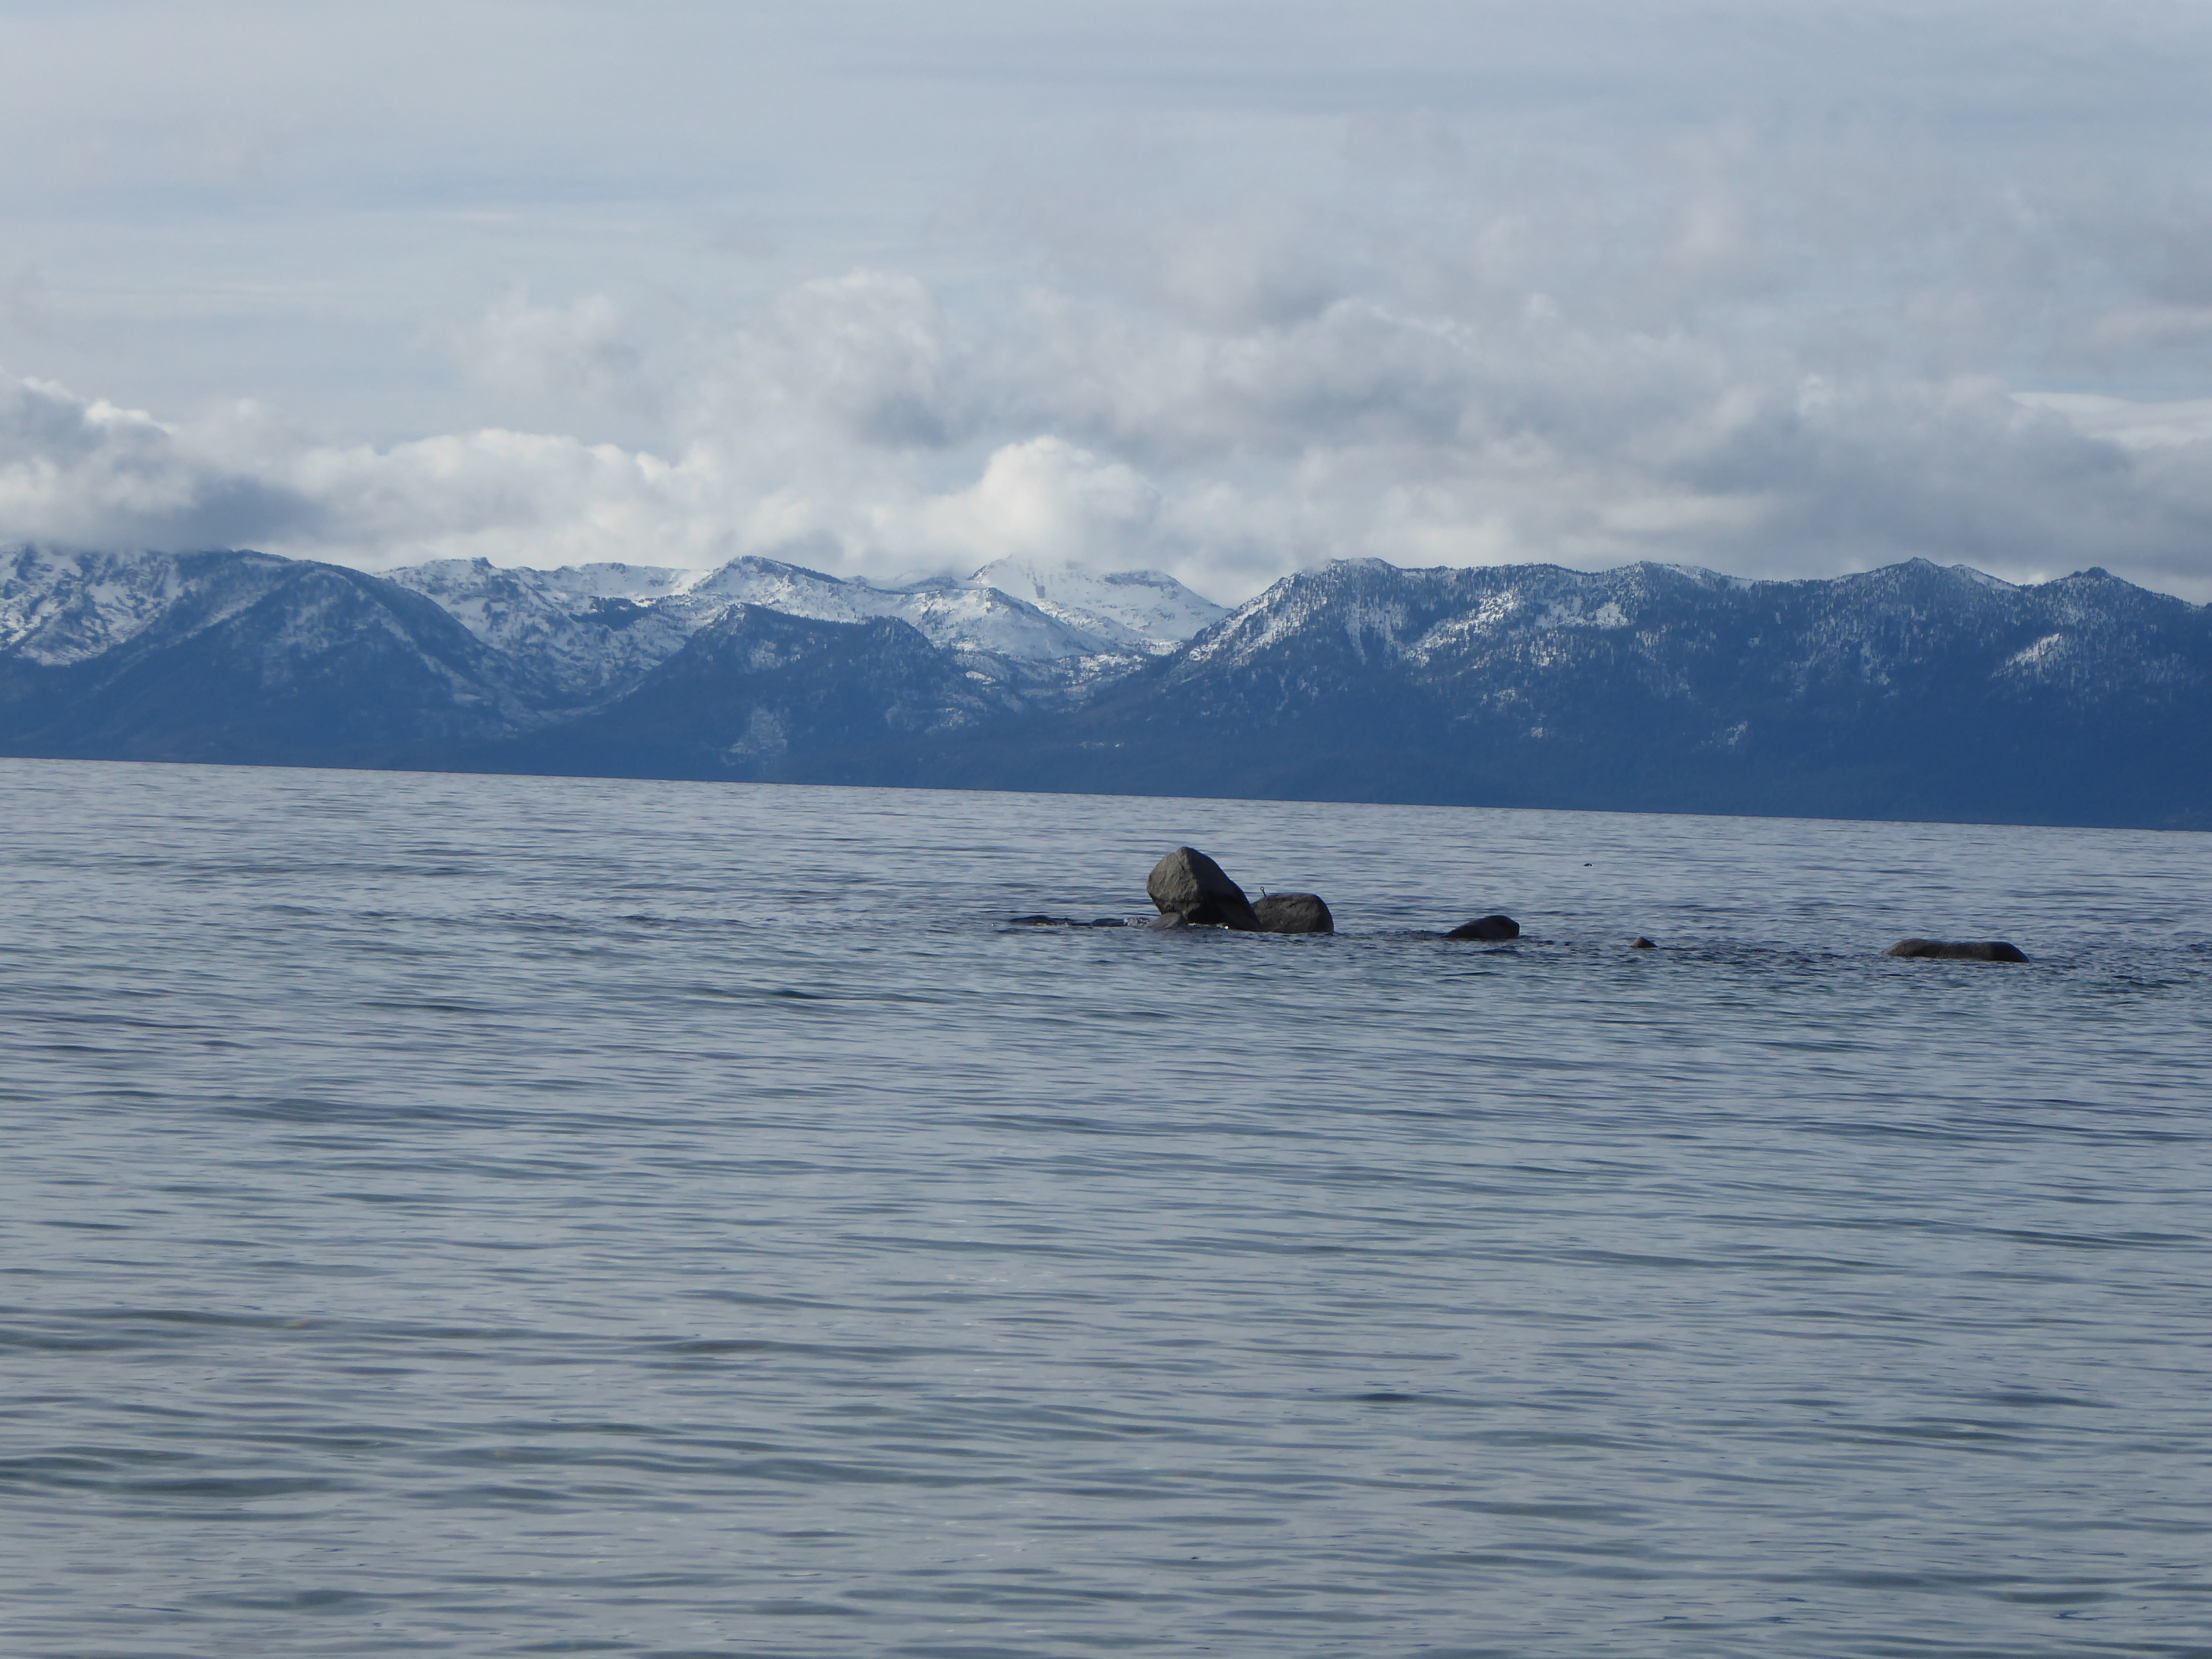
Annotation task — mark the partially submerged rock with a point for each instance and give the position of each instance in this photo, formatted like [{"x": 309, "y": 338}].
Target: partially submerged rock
[
  {"x": 1488, "y": 927},
  {"x": 1640, "y": 943},
  {"x": 1293, "y": 913},
  {"x": 1064, "y": 921},
  {"x": 1950, "y": 949},
  {"x": 1189, "y": 884}
]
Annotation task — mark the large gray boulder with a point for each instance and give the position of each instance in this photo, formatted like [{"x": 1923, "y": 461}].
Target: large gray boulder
[
  {"x": 1293, "y": 913},
  {"x": 1966, "y": 950},
  {"x": 1189, "y": 884},
  {"x": 1488, "y": 927}
]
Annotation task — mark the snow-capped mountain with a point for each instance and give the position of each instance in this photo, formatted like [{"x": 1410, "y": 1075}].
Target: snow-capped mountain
[
  {"x": 597, "y": 628},
  {"x": 1696, "y": 637},
  {"x": 971, "y": 618},
  {"x": 528, "y": 648},
  {"x": 240, "y": 657},
  {"x": 59, "y": 607},
  {"x": 1909, "y": 691},
  {"x": 589, "y": 630}
]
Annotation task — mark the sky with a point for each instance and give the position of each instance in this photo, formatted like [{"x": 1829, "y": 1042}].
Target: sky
[{"x": 1220, "y": 288}]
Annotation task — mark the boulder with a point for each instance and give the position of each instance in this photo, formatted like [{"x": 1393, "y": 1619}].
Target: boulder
[
  {"x": 1189, "y": 884},
  {"x": 1962, "y": 950},
  {"x": 1488, "y": 927},
  {"x": 1293, "y": 913},
  {"x": 1640, "y": 943}
]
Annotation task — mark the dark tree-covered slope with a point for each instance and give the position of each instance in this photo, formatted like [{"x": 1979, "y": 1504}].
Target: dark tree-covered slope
[{"x": 758, "y": 695}]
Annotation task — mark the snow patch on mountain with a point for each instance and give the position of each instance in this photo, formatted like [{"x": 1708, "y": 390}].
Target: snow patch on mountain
[
  {"x": 954, "y": 615},
  {"x": 2037, "y": 660},
  {"x": 1456, "y": 633},
  {"x": 1017, "y": 649},
  {"x": 593, "y": 630},
  {"x": 1699, "y": 574},
  {"x": 611, "y": 581},
  {"x": 1145, "y": 611},
  {"x": 1275, "y": 615},
  {"x": 59, "y": 607}
]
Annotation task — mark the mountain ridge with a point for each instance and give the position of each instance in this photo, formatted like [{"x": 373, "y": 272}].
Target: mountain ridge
[
  {"x": 1911, "y": 691},
  {"x": 1914, "y": 690}
]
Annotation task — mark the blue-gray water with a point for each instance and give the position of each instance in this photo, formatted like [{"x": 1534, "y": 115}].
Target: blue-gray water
[{"x": 476, "y": 1216}]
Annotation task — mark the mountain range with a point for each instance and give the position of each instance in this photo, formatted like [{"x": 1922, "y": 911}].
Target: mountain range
[{"x": 1914, "y": 692}]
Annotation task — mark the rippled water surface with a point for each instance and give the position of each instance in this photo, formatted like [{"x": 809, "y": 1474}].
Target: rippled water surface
[{"x": 479, "y": 1216}]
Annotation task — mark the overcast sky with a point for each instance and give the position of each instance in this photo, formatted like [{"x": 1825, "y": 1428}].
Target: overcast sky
[{"x": 1220, "y": 288}]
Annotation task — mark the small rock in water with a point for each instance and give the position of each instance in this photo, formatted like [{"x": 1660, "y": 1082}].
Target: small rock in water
[
  {"x": 1064, "y": 921},
  {"x": 1293, "y": 913},
  {"x": 1488, "y": 927},
  {"x": 1640, "y": 943},
  {"x": 1967, "y": 949},
  {"x": 1189, "y": 884}
]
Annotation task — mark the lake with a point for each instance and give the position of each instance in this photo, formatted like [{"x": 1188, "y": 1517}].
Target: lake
[{"x": 490, "y": 1216}]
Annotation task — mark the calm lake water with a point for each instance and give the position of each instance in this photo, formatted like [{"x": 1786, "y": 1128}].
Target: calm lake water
[{"x": 476, "y": 1216}]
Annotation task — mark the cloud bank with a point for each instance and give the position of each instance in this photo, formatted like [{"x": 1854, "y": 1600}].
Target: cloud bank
[{"x": 1783, "y": 291}]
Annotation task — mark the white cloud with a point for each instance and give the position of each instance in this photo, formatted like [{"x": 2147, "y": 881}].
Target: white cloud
[
  {"x": 1043, "y": 500},
  {"x": 1784, "y": 288},
  {"x": 855, "y": 426}
]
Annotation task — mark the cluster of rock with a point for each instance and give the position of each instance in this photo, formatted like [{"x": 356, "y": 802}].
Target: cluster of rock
[{"x": 1189, "y": 889}]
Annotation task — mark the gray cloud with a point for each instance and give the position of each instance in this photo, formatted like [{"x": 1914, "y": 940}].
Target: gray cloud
[
  {"x": 85, "y": 472},
  {"x": 1784, "y": 288}
]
